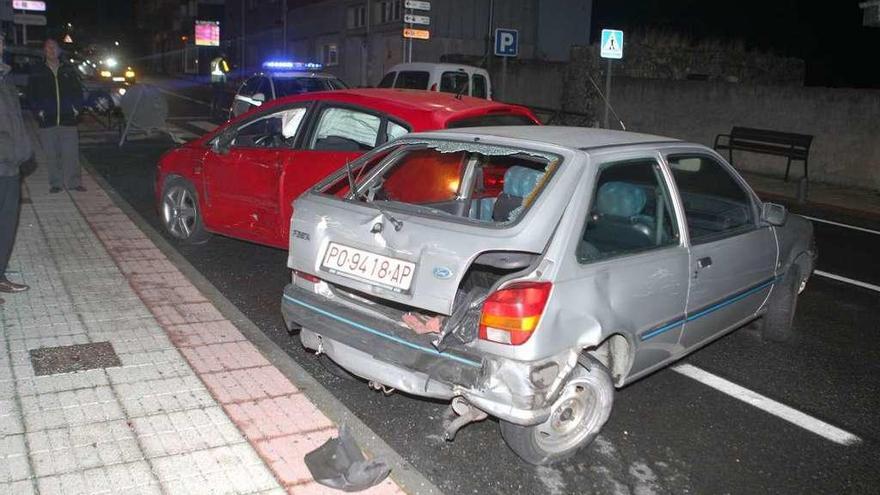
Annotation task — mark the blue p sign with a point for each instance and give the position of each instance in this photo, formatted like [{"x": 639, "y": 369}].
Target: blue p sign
[{"x": 506, "y": 42}]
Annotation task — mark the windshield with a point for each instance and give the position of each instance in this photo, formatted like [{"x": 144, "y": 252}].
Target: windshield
[
  {"x": 299, "y": 85},
  {"x": 478, "y": 183}
]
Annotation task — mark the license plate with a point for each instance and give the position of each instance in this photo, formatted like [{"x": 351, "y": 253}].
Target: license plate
[{"x": 375, "y": 268}]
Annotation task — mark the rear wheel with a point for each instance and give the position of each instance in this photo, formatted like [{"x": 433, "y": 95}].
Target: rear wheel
[
  {"x": 575, "y": 419},
  {"x": 777, "y": 324},
  {"x": 181, "y": 216}
]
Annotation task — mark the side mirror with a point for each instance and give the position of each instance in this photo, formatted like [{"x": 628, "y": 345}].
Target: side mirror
[
  {"x": 773, "y": 214},
  {"x": 221, "y": 143}
]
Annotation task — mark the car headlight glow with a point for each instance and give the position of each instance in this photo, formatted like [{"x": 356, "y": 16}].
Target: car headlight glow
[
  {"x": 121, "y": 91},
  {"x": 110, "y": 62},
  {"x": 129, "y": 74},
  {"x": 106, "y": 73}
]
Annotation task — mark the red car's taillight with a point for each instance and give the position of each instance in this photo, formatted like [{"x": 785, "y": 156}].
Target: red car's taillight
[{"x": 510, "y": 315}]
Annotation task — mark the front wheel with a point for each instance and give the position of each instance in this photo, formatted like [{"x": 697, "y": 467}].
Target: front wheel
[
  {"x": 575, "y": 419},
  {"x": 777, "y": 324},
  {"x": 180, "y": 213}
]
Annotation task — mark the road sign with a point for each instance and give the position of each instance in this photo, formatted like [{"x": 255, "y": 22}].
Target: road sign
[
  {"x": 417, "y": 5},
  {"x": 422, "y": 34},
  {"x": 29, "y": 19},
  {"x": 32, "y": 5},
  {"x": 417, "y": 19},
  {"x": 611, "y": 45},
  {"x": 506, "y": 42}
]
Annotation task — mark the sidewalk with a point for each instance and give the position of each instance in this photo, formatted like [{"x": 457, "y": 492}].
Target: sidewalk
[
  {"x": 118, "y": 376},
  {"x": 847, "y": 200}
]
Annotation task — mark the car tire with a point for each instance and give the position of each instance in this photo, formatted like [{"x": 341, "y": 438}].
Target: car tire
[
  {"x": 576, "y": 417},
  {"x": 777, "y": 324},
  {"x": 180, "y": 212}
]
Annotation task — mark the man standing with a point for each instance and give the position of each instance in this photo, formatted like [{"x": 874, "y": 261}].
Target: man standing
[
  {"x": 15, "y": 148},
  {"x": 219, "y": 69},
  {"x": 56, "y": 96}
]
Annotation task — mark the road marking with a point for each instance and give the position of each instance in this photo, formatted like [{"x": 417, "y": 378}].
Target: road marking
[
  {"x": 845, "y": 225},
  {"x": 203, "y": 125},
  {"x": 766, "y": 404},
  {"x": 183, "y": 97},
  {"x": 864, "y": 285}
]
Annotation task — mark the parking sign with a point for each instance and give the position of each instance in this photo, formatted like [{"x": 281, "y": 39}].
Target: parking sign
[{"x": 506, "y": 42}]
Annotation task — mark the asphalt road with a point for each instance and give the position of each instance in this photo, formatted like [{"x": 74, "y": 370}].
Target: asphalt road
[{"x": 668, "y": 433}]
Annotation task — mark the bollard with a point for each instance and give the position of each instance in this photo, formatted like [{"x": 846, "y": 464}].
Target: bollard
[{"x": 803, "y": 189}]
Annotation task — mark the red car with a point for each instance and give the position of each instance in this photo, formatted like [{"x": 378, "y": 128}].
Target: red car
[{"x": 240, "y": 179}]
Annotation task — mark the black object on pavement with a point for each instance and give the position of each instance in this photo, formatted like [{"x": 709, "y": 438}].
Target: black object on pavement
[{"x": 340, "y": 464}]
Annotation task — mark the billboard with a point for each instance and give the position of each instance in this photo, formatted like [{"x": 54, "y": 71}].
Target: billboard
[
  {"x": 208, "y": 33},
  {"x": 34, "y": 6}
]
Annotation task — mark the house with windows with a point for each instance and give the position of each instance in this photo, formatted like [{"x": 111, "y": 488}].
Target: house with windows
[{"x": 358, "y": 40}]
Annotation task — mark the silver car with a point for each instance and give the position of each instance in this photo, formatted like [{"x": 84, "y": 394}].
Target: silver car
[{"x": 526, "y": 272}]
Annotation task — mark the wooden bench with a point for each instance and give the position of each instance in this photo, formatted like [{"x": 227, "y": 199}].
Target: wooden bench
[{"x": 787, "y": 144}]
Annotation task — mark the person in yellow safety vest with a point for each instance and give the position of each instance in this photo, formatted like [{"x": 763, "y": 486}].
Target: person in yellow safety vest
[{"x": 219, "y": 69}]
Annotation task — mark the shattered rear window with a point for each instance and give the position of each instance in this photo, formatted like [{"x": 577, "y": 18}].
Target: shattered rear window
[{"x": 467, "y": 181}]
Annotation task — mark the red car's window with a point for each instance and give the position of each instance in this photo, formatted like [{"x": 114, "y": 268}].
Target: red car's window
[{"x": 425, "y": 176}]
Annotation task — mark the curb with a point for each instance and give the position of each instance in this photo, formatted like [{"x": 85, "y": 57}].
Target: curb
[{"x": 406, "y": 476}]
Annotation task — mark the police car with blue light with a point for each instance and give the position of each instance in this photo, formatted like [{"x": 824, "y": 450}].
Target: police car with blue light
[{"x": 282, "y": 78}]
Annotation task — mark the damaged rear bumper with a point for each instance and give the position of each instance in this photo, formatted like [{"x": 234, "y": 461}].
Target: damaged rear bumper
[{"x": 518, "y": 392}]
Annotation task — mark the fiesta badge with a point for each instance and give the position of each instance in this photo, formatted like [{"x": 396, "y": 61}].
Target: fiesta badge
[{"x": 442, "y": 272}]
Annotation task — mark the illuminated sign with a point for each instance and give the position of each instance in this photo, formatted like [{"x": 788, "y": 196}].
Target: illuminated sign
[
  {"x": 421, "y": 34},
  {"x": 208, "y": 33},
  {"x": 31, "y": 5}
]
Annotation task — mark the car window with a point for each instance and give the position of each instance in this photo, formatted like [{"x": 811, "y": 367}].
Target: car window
[
  {"x": 479, "y": 89},
  {"x": 299, "y": 85},
  {"x": 276, "y": 130},
  {"x": 265, "y": 88},
  {"x": 345, "y": 129},
  {"x": 387, "y": 81},
  {"x": 491, "y": 119},
  {"x": 630, "y": 212},
  {"x": 454, "y": 82},
  {"x": 250, "y": 86},
  {"x": 334, "y": 83},
  {"x": 394, "y": 130},
  {"x": 715, "y": 203},
  {"x": 411, "y": 79}
]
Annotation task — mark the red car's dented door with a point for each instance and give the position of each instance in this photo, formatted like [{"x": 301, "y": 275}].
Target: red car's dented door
[{"x": 242, "y": 188}]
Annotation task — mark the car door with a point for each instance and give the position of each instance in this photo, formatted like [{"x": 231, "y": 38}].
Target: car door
[
  {"x": 732, "y": 255},
  {"x": 632, "y": 267},
  {"x": 243, "y": 183},
  {"x": 337, "y": 133}
]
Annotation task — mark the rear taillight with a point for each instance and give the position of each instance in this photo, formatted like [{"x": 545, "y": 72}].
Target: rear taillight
[
  {"x": 511, "y": 314},
  {"x": 308, "y": 277},
  {"x": 434, "y": 87}
]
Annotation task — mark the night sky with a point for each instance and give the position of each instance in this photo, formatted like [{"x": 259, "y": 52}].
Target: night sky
[{"x": 829, "y": 36}]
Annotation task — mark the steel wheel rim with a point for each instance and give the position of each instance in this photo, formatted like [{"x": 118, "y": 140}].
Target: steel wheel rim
[
  {"x": 179, "y": 212},
  {"x": 574, "y": 416}
]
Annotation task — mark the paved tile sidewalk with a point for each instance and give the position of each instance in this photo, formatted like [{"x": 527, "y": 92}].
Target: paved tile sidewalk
[{"x": 194, "y": 406}]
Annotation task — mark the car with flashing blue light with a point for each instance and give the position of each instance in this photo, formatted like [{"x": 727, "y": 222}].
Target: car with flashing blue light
[{"x": 280, "y": 78}]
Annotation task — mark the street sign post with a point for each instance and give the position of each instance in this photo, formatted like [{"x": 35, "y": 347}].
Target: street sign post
[
  {"x": 29, "y": 19},
  {"x": 410, "y": 19},
  {"x": 611, "y": 48},
  {"x": 506, "y": 46},
  {"x": 30, "y": 5}
]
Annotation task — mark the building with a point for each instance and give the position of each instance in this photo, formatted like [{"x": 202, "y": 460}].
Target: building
[
  {"x": 358, "y": 40},
  {"x": 169, "y": 26}
]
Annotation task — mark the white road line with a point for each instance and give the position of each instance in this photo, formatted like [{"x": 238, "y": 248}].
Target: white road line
[
  {"x": 864, "y": 285},
  {"x": 203, "y": 124},
  {"x": 183, "y": 97},
  {"x": 845, "y": 225},
  {"x": 766, "y": 404}
]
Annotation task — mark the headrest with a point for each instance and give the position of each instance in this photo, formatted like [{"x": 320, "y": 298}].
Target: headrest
[
  {"x": 620, "y": 199},
  {"x": 519, "y": 181}
]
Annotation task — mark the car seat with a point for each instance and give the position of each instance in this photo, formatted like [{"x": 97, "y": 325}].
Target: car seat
[
  {"x": 618, "y": 222},
  {"x": 519, "y": 182}
]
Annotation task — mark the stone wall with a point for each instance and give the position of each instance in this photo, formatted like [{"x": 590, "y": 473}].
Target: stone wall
[{"x": 845, "y": 123}]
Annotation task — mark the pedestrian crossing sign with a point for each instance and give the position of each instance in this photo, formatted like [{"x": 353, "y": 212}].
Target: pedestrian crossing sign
[{"x": 611, "y": 45}]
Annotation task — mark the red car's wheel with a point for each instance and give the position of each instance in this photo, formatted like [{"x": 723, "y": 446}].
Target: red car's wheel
[{"x": 180, "y": 212}]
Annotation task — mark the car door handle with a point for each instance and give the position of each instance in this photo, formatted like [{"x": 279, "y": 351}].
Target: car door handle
[{"x": 704, "y": 263}]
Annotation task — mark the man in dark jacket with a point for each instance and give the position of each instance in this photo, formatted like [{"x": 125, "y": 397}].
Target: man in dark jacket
[
  {"x": 15, "y": 148},
  {"x": 56, "y": 97}
]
